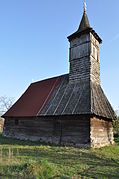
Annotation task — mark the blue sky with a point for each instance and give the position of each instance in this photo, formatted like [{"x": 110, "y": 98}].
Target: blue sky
[{"x": 34, "y": 45}]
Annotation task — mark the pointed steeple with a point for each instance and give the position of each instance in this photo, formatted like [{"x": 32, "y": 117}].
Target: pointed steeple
[
  {"x": 84, "y": 27},
  {"x": 84, "y": 21}
]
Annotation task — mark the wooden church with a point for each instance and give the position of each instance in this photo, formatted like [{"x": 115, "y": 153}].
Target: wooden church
[{"x": 71, "y": 109}]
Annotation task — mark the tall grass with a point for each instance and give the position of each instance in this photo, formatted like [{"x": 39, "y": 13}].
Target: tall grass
[{"x": 15, "y": 163}]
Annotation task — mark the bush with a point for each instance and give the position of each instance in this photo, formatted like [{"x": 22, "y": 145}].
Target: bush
[{"x": 116, "y": 125}]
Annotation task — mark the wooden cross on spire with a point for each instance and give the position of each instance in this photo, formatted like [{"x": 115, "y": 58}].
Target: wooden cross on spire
[{"x": 85, "y": 6}]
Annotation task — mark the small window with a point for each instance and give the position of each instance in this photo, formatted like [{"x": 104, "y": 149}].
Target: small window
[
  {"x": 94, "y": 52},
  {"x": 16, "y": 122},
  {"x": 97, "y": 56}
]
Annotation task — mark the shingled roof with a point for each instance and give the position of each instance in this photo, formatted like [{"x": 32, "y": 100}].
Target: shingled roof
[
  {"x": 56, "y": 96},
  {"x": 84, "y": 22}
]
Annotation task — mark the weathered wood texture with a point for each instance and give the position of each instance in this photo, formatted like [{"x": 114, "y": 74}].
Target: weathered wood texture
[
  {"x": 1, "y": 124},
  {"x": 69, "y": 99},
  {"x": 94, "y": 60},
  {"x": 101, "y": 132},
  {"x": 84, "y": 59},
  {"x": 64, "y": 130}
]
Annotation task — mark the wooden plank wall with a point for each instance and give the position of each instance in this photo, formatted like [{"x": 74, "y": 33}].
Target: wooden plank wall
[
  {"x": 76, "y": 132},
  {"x": 63, "y": 130}
]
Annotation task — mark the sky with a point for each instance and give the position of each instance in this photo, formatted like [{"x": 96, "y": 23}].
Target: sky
[{"x": 34, "y": 45}]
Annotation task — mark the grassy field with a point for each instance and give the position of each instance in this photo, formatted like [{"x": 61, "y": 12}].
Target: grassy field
[{"x": 20, "y": 159}]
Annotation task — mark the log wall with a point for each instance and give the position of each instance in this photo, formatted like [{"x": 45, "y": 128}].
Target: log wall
[
  {"x": 55, "y": 131},
  {"x": 101, "y": 132},
  {"x": 1, "y": 124},
  {"x": 67, "y": 130}
]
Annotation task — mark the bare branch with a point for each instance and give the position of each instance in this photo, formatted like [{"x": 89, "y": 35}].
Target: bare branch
[{"x": 5, "y": 104}]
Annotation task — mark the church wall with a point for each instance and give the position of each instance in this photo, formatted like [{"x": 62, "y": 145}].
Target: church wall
[
  {"x": 29, "y": 129},
  {"x": 79, "y": 58},
  {"x": 84, "y": 59},
  {"x": 78, "y": 74},
  {"x": 94, "y": 59},
  {"x": 76, "y": 132},
  {"x": 101, "y": 132},
  {"x": 68, "y": 130},
  {"x": 95, "y": 70},
  {"x": 80, "y": 40},
  {"x": 1, "y": 124}
]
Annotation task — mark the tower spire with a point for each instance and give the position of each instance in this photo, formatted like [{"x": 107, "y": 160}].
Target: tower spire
[{"x": 84, "y": 24}]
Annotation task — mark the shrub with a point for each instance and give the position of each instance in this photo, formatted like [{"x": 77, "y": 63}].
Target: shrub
[{"x": 116, "y": 125}]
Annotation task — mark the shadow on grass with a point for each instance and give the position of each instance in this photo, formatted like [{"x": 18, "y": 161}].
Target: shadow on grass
[
  {"x": 69, "y": 161},
  {"x": 78, "y": 162}
]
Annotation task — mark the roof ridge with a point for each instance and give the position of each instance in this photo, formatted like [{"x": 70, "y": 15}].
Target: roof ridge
[{"x": 49, "y": 78}]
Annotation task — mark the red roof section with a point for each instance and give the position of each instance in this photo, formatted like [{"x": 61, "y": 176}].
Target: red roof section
[{"x": 34, "y": 99}]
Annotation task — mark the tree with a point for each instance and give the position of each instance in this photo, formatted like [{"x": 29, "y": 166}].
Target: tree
[
  {"x": 116, "y": 124},
  {"x": 5, "y": 104}
]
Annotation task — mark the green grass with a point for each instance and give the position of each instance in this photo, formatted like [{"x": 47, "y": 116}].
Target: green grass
[{"x": 23, "y": 159}]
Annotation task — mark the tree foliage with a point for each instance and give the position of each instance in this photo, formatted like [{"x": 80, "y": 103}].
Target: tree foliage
[{"x": 116, "y": 124}]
